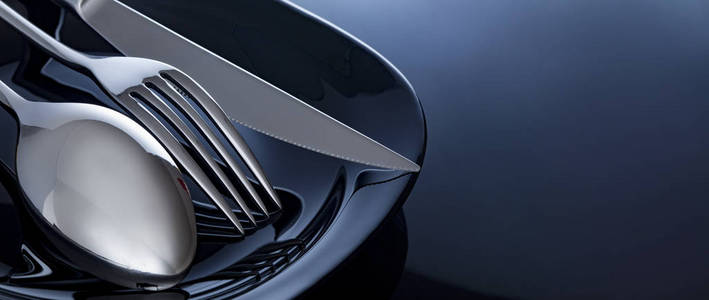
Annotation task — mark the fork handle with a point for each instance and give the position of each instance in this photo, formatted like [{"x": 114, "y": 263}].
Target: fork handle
[{"x": 42, "y": 39}]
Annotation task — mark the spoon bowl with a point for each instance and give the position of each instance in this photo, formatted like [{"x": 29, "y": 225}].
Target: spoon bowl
[{"x": 107, "y": 188}]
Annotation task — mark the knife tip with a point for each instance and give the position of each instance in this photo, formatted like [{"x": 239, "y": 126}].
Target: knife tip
[{"x": 408, "y": 166}]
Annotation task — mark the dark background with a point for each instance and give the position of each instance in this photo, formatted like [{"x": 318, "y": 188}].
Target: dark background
[{"x": 567, "y": 152}]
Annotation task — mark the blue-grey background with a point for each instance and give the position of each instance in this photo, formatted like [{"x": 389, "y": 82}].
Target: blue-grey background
[{"x": 568, "y": 151}]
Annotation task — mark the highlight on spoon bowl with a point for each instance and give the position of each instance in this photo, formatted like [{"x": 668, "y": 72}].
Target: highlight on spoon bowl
[{"x": 111, "y": 195}]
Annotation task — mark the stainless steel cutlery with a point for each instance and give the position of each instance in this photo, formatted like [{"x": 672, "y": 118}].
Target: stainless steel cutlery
[
  {"x": 103, "y": 183},
  {"x": 246, "y": 98},
  {"x": 146, "y": 88},
  {"x": 106, "y": 189}
]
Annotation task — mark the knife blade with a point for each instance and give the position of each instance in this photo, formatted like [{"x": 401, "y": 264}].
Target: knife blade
[{"x": 246, "y": 98}]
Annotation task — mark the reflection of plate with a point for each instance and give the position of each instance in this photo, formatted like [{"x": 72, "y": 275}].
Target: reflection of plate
[{"x": 332, "y": 206}]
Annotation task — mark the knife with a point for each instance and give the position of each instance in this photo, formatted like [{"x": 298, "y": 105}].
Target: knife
[{"x": 246, "y": 98}]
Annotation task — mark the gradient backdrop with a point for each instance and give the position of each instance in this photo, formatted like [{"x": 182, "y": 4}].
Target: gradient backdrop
[{"x": 568, "y": 142}]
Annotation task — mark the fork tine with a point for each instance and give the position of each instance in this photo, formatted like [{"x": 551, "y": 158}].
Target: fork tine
[
  {"x": 222, "y": 121},
  {"x": 186, "y": 133},
  {"x": 179, "y": 153},
  {"x": 187, "y": 109},
  {"x": 152, "y": 99}
]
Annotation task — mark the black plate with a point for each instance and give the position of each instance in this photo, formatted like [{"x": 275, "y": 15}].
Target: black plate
[{"x": 331, "y": 206}]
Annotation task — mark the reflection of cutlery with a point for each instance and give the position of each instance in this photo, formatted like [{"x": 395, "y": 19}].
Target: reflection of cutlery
[
  {"x": 245, "y": 97},
  {"x": 137, "y": 83},
  {"x": 104, "y": 183}
]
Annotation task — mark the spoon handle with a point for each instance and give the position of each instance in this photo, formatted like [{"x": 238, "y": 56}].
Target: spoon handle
[{"x": 42, "y": 39}]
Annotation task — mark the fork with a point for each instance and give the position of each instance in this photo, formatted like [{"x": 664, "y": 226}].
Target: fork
[{"x": 137, "y": 84}]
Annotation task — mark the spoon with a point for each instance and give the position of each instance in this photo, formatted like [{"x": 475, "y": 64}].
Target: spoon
[{"x": 111, "y": 194}]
